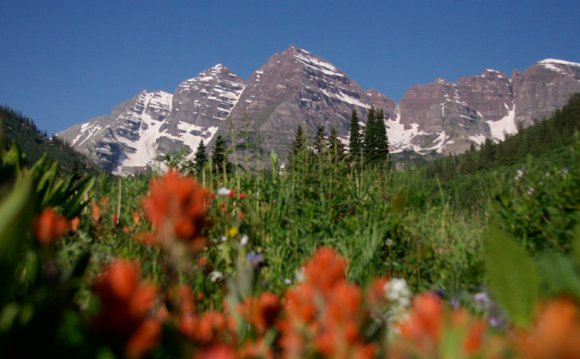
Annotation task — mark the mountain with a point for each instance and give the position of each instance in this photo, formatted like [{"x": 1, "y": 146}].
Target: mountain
[
  {"x": 296, "y": 87},
  {"x": 448, "y": 116},
  {"x": 16, "y": 128}
]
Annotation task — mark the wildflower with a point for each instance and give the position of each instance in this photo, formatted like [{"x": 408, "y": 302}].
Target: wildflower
[
  {"x": 389, "y": 242},
  {"x": 326, "y": 261},
  {"x": 398, "y": 291},
  {"x": 207, "y": 327},
  {"x": 242, "y": 195},
  {"x": 519, "y": 174},
  {"x": 555, "y": 333},
  {"x": 287, "y": 281},
  {"x": 423, "y": 327},
  {"x": 74, "y": 224},
  {"x": 261, "y": 312},
  {"x": 125, "y": 319},
  {"x": 136, "y": 217},
  {"x": 222, "y": 191},
  {"x": 255, "y": 259},
  {"x": 232, "y": 232},
  {"x": 244, "y": 240},
  {"x": 530, "y": 191},
  {"x": 49, "y": 226},
  {"x": 216, "y": 276},
  {"x": 95, "y": 212},
  {"x": 176, "y": 207},
  {"x": 218, "y": 351}
]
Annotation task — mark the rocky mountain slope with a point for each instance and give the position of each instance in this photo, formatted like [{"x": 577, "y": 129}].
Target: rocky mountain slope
[{"x": 299, "y": 88}]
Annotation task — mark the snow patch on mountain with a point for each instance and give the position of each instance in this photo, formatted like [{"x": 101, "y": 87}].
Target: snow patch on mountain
[
  {"x": 506, "y": 125},
  {"x": 316, "y": 64}
]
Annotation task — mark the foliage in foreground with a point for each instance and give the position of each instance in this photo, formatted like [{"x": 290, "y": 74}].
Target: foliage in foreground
[{"x": 186, "y": 271}]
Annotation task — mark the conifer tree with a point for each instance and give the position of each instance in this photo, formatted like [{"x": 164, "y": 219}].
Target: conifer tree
[
  {"x": 335, "y": 147},
  {"x": 370, "y": 136},
  {"x": 382, "y": 141},
  {"x": 219, "y": 156},
  {"x": 298, "y": 146},
  {"x": 200, "y": 158},
  {"x": 376, "y": 143},
  {"x": 318, "y": 142},
  {"x": 355, "y": 143}
]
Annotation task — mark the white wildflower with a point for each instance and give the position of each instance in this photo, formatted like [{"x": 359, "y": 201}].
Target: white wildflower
[
  {"x": 287, "y": 281},
  {"x": 216, "y": 276},
  {"x": 244, "y": 240},
  {"x": 519, "y": 174},
  {"x": 224, "y": 191}
]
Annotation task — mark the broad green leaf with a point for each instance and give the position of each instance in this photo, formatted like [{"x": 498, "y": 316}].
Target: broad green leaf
[
  {"x": 16, "y": 213},
  {"x": 559, "y": 275},
  {"x": 513, "y": 277},
  {"x": 576, "y": 245}
]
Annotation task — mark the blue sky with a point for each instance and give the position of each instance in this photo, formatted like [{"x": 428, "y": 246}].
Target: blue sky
[{"x": 63, "y": 62}]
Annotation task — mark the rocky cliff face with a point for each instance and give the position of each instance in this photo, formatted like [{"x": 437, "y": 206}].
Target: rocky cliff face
[
  {"x": 543, "y": 88},
  {"x": 449, "y": 117},
  {"x": 299, "y": 88}
]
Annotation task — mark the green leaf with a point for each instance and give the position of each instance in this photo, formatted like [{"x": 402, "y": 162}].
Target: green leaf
[
  {"x": 576, "y": 245},
  {"x": 16, "y": 214},
  {"x": 559, "y": 275},
  {"x": 513, "y": 277}
]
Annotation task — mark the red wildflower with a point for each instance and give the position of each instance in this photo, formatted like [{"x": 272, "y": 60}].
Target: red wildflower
[
  {"x": 325, "y": 269},
  {"x": 218, "y": 351},
  {"x": 74, "y": 224},
  {"x": 424, "y": 325},
  {"x": 49, "y": 226},
  {"x": 176, "y": 207},
  {"x": 555, "y": 333},
  {"x": 124, "y": 319},
  {"x": 207, "y": 327},
  {"x": 262, "y": 312},
  {"x": 95, "y": 212}
]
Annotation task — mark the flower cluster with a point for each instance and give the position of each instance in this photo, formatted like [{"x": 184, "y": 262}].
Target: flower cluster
[
  {"x": 125, "y": 320},
  {"x": 49, "y": 226},
  {"x": 324, "y": 313},
  {"x": 176, "y": 206}
]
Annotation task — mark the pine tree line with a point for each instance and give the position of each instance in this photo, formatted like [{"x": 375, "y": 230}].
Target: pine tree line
[
  {"x": 369, "y": 147},
  {"x": 557, "y": 131}
]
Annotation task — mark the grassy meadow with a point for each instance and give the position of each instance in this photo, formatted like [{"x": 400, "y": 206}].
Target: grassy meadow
[{"x": 475, "y": 255}]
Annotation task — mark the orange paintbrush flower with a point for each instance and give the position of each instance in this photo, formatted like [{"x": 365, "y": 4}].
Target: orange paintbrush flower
[
  {"x": 262, "y": 312},
  {"x": 556, "y": 333},
  {"x": 425, "y": 322},
  {"x": 125, "y": 320},
  {"x": 49, "y": 226},
  {"x": 176, "y": 206},
  {"x": 325, "y": 269}
]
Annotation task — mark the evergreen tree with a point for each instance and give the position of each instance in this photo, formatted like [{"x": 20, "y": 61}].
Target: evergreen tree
[
  {"x": 219, "y": 156},
  {"x": 318, "y": 142},
  {"x": 335, "y": 147},
  {"x": 355, "y": 144},
  {"x": 376, "y": 143},
  {"x": 381, "y": 153},
  {"x": 200, "y": 158},
  {"x": 298, "y": 146},
  {"x": 370, "y": 136}
]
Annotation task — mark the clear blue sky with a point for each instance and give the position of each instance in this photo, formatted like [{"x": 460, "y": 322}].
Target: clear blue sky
[{"x": 63, "y": 62}]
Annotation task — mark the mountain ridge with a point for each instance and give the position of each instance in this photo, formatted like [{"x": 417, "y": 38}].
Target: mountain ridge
[{"x": 296, "y": 87}]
